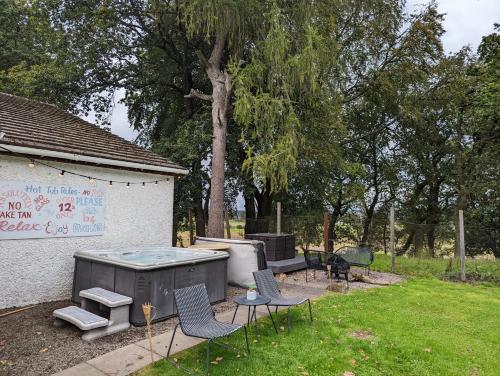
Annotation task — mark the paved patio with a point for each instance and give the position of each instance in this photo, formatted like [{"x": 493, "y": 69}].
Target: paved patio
[{"x": 133, "y": 357}]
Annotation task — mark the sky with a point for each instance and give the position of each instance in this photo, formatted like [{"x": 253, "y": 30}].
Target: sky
[{"x": 466, "y": 21}]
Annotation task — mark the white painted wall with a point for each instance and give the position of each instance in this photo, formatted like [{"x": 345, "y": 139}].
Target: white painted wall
[{"x": 40, "y": 270}]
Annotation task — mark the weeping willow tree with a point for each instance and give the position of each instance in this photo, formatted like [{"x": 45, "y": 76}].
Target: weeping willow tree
[
  {"x": 270, "y": 52},
  {"x": 286, "y": 102}
]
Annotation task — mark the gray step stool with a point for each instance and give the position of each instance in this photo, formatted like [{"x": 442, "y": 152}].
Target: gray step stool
[{"x": 87, "y": 319}]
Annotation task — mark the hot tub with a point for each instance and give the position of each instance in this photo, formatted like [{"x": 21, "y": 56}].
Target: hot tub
[{"x": 150, "y": 275}]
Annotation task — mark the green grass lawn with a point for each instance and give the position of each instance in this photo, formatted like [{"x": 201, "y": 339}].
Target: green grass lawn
[
  {"x": 423, "y": 327},
  {"x": 476, "y": 269}
]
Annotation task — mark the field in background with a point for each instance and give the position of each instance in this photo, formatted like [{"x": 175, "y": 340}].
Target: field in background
[
  {"x": 485, "y": 270},
  {"x": 237, "y": 229}
]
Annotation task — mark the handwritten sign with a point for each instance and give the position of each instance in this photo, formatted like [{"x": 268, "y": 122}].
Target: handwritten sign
[{"x": 32, "y": 210}]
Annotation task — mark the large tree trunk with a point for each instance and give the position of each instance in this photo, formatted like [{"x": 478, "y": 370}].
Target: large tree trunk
[
  {"x": 368, "y": 220},
  {"x": 199, "y": 218},
  {"x": 220, "y": 98},
  {"x": 216, "y": 208},
  {"x": 249, "y": 205},
  {"x": 334, "y": 217},
  {"x": 265, "y": 205},
  {"x": 264, "y": 201}
]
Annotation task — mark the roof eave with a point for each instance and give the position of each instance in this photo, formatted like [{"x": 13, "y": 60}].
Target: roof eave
[{"x": 95, "y": 160}]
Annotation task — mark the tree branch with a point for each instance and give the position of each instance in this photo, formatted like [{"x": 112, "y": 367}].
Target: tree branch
[
  {"x": 196, "y": 94},
  {"x": 216, "y": 55}
]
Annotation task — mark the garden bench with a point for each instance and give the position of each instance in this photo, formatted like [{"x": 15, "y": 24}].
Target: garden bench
[
  {"x": 88, "y": 317},
  {"x": 361, "y": 256}
]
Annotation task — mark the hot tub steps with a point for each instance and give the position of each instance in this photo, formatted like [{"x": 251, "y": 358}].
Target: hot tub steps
[
  {"x": 87, "y": 317},
  {"x": 106, "y": 297},
  {"x": 84, "y": 320}
]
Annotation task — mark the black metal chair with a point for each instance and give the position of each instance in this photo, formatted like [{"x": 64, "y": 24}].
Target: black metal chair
[
  {"x": 338, "y": 265},
  {"x": 197, "y": 319},
  {"x": 267, "y": 286},
  {"x": 357, "y": 256},
  {"x": 315, "y": 260}
]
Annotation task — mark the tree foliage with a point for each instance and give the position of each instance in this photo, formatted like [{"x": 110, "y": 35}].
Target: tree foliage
[{"x": 343, "y": 106}]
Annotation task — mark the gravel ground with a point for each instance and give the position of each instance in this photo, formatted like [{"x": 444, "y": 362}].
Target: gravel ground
[
  {"x": 321, "y": 281},
  {"x": 30, "y": 345}
]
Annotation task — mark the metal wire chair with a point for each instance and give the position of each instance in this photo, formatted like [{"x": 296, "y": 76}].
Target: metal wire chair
[
  {"x": 267, "y": 286},
  {"x": 315, "y": 260},
  {"x": 197, "y": 319}
]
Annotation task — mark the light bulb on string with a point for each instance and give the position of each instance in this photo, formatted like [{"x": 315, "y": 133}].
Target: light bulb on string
[
  {"x": 143, "y": 184},
  {"x": 91, "y": 180},
  {"x": 156, "y": 182},
  {"x": 128, "y": 185},
  {"x": 110, "y": 184},
  {"x": 62, "y": 173},
  {"x": 31, "y": 163}
]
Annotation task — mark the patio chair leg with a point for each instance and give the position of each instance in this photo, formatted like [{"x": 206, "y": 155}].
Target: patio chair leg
[
  {"x": 271, "y": 316},
  {"x": 310, "y": 311},
  {"x": 254, "y": 315},
  {"x": 314, "y": 274},
  {"x": 246, "y": 340},
  {"x": 208, "y": 357},
  {"x": 248, "y": 319},
  {"x": 236, "y": 310},
  {"x": 288, "y": 320},
  {"x": 172, "y": 340},
  {"x": 276, "y": 309},
  {"x": 306, "y": 274}
]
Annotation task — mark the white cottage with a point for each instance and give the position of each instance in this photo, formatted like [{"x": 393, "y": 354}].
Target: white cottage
[{"x": 67, "y": 185}]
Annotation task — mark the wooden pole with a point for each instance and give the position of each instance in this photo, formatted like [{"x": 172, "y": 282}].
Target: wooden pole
[
  {"x": 191, "y": 230},
  {"x": 393, "y": 237},
  {"x": 16, "y": 311},
  {"x": 228, "y": 225},
  {"x": 326, "y": 224},
  {"x": 278, "y": 223},
  {"x": 462, "y": 244}
]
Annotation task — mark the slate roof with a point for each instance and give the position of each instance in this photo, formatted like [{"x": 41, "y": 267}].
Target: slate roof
[{"x": 40, "y": 125}]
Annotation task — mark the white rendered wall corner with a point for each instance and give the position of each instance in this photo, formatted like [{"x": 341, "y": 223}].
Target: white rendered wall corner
[{"x": 39, "y": 270}]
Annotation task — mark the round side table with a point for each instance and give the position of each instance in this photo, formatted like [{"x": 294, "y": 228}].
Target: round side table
[{"x": 260, "y": 300}]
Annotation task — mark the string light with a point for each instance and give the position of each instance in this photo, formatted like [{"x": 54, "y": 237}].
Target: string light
[{"x": 92, "y": 180}]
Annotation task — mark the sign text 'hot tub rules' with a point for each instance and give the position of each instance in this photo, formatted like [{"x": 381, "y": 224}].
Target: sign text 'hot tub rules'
[{"x": 32, "y": 210}]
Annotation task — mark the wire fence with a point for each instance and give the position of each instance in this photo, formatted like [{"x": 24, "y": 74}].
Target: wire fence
[
  {"x": 411, "y": 239},
  {"x": 422, "y": 249}
]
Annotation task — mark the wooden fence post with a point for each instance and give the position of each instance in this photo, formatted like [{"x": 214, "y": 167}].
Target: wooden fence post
[
  {"x": 326, "y": 224},
  {"x": 462, "y": 244},
  {"x": 278, "y": 220},
  {"x": 228, "y": 225},
  {"x": 393, "y": 245},
  {"x": 191, "y": 230}
]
